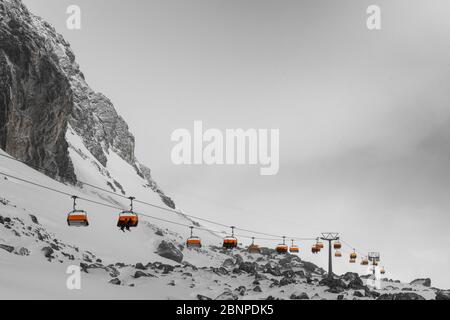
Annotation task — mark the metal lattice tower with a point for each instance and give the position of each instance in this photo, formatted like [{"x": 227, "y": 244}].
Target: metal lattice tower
[
  {"x": 330, "y": 237},
  {"x": 374, "y": 257}
]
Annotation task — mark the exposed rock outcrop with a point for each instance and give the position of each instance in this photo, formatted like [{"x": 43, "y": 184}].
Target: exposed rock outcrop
[
  {"x": 7, "y": 248},
  {"x": 401, "y": 296},
  {"x": 169, "y": 251},
  {"x": 443, "y": 295},
  {"x": 35, "y": 94},
  {"x": 424, "y": 282}
]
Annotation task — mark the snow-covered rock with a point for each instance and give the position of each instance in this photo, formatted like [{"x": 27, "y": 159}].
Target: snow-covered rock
[
  {"x": 169, "y": 251},
  {"x": 443, "y": 295},
  {"x": 401, "y": 296},
  {"x": 424, "y": 282}
]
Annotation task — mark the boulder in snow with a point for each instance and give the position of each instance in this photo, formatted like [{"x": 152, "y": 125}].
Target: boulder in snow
[
  {"x": 309, "y": 266},
  {"x": 139, "y": 274},
  {"x": 286, "y": 280},
  {"x": 301, "y": 296},
  {"x": 34, "y": 219},
  {"x": 257, "y": 289},
  {"x": 358, "y": 294},
  {"x": 424, "y": 282},
  {"x": 443, "y": 295},
  {"x": 48, "y": 252},
  {"x": 169, "y": 251},
  {"x": 241, "y": 290},
  {"x": 370, "y": 293},
  {"x": 401, "y": 296},
  {"x": 249, "y": 267},
  {"x": 354, "y": 281},
  {"x": 228, "y": 263},
  {"x": 22, "y": 251},
  {"x": 335, "y": 285},
  {"x": 227, "y": 296},
  {"x": 7, "y": 248},
  {"x": 239, "y": 259},
  {"x": 171, "y": 283},
  {"x": 140, "y": 266},
  {"x": 115, "y": 281}
]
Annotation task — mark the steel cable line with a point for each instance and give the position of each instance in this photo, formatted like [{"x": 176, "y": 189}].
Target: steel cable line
[
  {"x": 104, "y": 204},
  {"x": 29, "y": 164},
  {"x": 120, "y": 208},
  {"x": 161, "y": 207},
  {"x": 273, "y": 235},
  {"x": 139, "y": 213},
  {"x": 156, "y": 206},
  {"x": 121, "y": 195},
  {"x": 352, "y": 247},
  {"x": 58, "y": 191},
  {"x": 157, "y": 218}
]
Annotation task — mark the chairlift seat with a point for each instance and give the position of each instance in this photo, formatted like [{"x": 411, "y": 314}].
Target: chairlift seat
[
  {"x": 230, "y": 242},
  {"x": 126, "y": 216},
  {"x": 282, "y": 248},
  {"x": 194, "y": 242},
  {"x": 77, "y": 218}
]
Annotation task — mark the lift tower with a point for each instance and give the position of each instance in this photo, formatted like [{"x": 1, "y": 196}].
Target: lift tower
[
  {"x": 374, "y": 257},
  {"x": 330, "y": 237}
]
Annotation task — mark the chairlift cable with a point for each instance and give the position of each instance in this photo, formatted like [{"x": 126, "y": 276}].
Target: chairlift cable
[{"x": 275, "y": 237}]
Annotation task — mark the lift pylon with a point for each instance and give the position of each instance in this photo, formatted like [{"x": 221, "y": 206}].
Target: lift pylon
[{"x": 330, "y": 237}]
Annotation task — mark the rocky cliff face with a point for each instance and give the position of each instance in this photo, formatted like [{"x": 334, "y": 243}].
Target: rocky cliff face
[
  {"x": 35, "y": 94},
  {"x": 42, "y": 91}
]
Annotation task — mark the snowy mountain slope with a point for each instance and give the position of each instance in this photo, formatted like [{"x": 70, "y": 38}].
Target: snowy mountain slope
[
  {"x": 102, "y": 236},
  {"x": 52, "y": 210},
  {"x": 36, "y": 247}
]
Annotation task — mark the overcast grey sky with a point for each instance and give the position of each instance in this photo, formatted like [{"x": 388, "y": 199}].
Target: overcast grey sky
[{"x": 364, "y": 116}]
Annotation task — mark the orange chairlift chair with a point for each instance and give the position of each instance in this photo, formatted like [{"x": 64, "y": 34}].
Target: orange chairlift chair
[
  {"x": 254, "y": 248},
  {"x": 294, "y": 248},
  {"x": 128, "y": 217},
  {"x": 230, "y": 242},
  {"x": 365, "y": 261},
  {"x": 337, "y": 245},
  {"x": 353, "y": 256},
  {"x": 319, "y": 244},
  {"x": 282, "y": 247},
  {"x": 315, "y": 249},
  {"x": 77, "y": 218},
  {"x": 193, "y": 241}
]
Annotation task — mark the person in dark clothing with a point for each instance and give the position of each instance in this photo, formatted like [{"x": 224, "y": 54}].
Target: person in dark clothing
[
  {"x": 121, "y": 225},
  {"x": 128, "y": 224}
]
